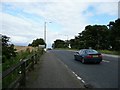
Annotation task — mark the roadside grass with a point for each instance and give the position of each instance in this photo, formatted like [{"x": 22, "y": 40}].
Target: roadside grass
[
  {"x": 110, "y": 52},
  {"x": 66, "y": 49},
  {"x": 102, "y": 51},
  {"x": 21, "y": 54},
  {"x": 23, "y": 48}
]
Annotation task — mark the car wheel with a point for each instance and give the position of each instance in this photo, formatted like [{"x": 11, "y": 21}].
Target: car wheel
[
  {"x": 98, "y": 62},
  {"x": 74, "y": 58},
  {"x": 83, "y": 61}
]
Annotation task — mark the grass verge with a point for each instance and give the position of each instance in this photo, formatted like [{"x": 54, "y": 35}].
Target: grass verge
[
  {"x": 110, "y": 52},
  {"x": 102, "y": 51},
  {"x": 22, "y": 54}
]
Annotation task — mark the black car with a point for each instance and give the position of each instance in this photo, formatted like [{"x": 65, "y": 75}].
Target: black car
[{"x": 88, "y": 55}]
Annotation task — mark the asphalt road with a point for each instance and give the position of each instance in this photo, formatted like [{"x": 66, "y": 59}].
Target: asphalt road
[
  {"x": 103, "y": 75},
  {"x": 50, "y": 72}
]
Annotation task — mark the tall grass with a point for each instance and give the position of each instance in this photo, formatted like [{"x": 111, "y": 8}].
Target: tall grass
[
  {"x": 10, "y": 63},
  {"x": 14, "y": 60}
]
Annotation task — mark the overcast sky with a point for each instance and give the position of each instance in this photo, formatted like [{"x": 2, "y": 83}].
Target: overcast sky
[{"x": 23, "y": 20}]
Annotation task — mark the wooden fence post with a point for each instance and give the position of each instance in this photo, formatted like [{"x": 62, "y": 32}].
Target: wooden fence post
[
  {"x": 23, "y": 80},
  {"x": 38, "y": 56},
  {"x": 32, "y": 58},
  {"x": 35, "y": 57}
]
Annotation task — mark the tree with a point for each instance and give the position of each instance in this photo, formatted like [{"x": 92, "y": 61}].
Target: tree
[
  {"x": 59, "y": 44},
  {"x": 37, "y": 42},
  {"x": 92, "y": 36},
  {"x": 114, "y": 37},
  {"x": 75, "y": 43},
  {"x": 29, "y": 44},
  {"x": 8, "y": 50},
  {"x": 96, "y": 36}
]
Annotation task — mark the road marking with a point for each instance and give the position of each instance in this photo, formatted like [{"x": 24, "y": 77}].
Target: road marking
[
  {"x": 79, "y": 78},
  {"x": 105, "y": 61},
  {"x": 83, "y": 81},
  {"x": 73, "y": 72},
  {"x": 76, "y": 75},
  {"x": 66, "y": 66}
]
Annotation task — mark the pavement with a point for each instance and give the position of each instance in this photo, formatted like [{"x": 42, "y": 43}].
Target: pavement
[{"x": 50, "y": 72}]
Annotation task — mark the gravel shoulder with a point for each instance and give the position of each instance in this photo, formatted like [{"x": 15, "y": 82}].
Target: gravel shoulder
[{"x": 52, "y": 73}]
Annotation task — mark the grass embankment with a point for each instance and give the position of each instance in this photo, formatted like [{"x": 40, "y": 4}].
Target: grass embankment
[
  {"x": 110, "y": 52},
  {"x": 22, "y": 53}
]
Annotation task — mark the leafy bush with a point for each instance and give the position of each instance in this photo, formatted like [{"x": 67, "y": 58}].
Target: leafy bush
[
  {"x": 8, "y": 50},
  {"x": 20, "y": 56},
  {"x": 14, "y": 60}
]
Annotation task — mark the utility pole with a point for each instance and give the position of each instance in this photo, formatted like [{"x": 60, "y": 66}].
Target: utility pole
[
  {"x": 45, "y": 27},
  {"x": 45, "y": 31}
]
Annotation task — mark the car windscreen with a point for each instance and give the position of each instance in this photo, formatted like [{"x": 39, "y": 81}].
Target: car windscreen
[{"x": 91, "y": 51}]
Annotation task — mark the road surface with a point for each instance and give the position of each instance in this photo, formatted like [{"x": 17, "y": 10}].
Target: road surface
[
  {"x": 103, "y": 75},
  {"x": 50, "y": 72}
]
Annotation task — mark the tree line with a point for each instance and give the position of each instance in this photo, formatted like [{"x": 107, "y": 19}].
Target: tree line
[
  {"x": 8, "y": 50},
  {"x": 37, "y": 42},
  {"x": 95, "y": 36}
]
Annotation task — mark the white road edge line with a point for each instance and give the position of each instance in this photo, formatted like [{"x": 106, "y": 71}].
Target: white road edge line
[
  {"x": 66, "y": 66},
  {"x": 105, "y": 61},
  {"x": 73, "y": 72},
  {"x": 79, "y": 78},
  {"x": 83, "y": 81}
]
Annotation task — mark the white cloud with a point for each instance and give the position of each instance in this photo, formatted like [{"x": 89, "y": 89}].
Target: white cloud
[
  {"x": 68, "y": 13},
  {"x": 59, "y": 0},
  {"x": 19, "y": 28}
]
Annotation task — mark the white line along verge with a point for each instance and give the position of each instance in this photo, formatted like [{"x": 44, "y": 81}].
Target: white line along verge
[
  {"x": 79, "y": 78},
  {"x": 105, "y": 61},
  {"x": 83, "y": 81},
  {"x": 66, "y": 66},
  {"x": 73, "y": 72}
]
